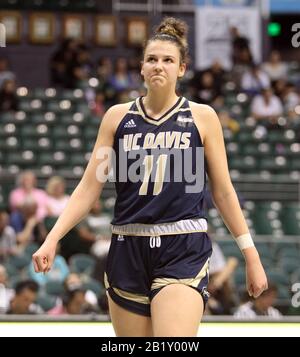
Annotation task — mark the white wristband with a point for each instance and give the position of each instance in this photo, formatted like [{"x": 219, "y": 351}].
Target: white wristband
[{"x": 244, "y": 241}]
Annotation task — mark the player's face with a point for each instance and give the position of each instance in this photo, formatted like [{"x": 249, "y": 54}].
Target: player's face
[{"x": 161, "y": 66}]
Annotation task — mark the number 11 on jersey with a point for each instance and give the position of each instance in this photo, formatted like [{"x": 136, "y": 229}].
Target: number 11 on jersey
[{"x": 161, "y": 164}]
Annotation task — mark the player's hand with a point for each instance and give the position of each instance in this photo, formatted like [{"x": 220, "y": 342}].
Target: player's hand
[
  {"x": 43, "y": 258},
  {"x": 256, "y": 278}
]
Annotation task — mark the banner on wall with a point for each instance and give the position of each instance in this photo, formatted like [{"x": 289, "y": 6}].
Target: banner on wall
[{"x": 212, "y": 33}]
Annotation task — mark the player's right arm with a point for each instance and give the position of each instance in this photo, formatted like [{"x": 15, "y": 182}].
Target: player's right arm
[{"x": 87, "y": 191}]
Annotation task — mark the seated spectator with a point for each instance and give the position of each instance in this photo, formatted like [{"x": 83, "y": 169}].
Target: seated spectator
[
  {"x": 240, "y": 45},
  {"x": 207, "y": 90},
  {"x": 227, "y": 122},
  {"x": 254, "y": 80},
  {"x": 76, "y": 299},
  {"x": 274, "y": 67},
  {"x": 97, "y": 105},
  {"x": 25, "y": 223},
  {"x": 8, "y": 97},
  {"x": 94, "y": 230},
  {"x": 104, "y": 72},
  {"x": 266, "y": 106},
  {"x": 8, "y": 240},
  {"x": 291, "y": 100},
  {"x": 220, "y": 286},
  {"x": 261, "y": 306},
  {"x": 74, "y": 281},
  {"x": 27, "y": 188},
  {"x": 121, "y": 78},
  {"x": 72, "y": 303},
  {"x": 61, "y": 61},
  {"x": 57, "y": 198},
  {"x": 24, "y": 300},
  {"x": 5, "y": 73},
  {"x": 6, "y": 293}
]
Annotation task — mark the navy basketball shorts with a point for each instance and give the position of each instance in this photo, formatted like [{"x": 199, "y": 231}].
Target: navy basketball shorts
[{"x": 138, "y": 267}]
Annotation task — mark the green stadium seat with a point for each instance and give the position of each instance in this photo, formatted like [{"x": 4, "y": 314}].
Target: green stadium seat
[
  {"x": 19, "y": 261},
  {"x": 274, "y": 164},
  {"x": 283, "y": 293},
  {"x": 49, "y": 222},
  {"x": 240, "y": 277},
  {"x": 95, "y": 286},
  {"x": 289, "y": 265},
  {"x": 291, "y": 219},
  {"x": 23, "y": 159},
  {"x": 31, "y": 248},
  {"x": 54, "y": 288},
  {"x": 82, "y": 264},
  {"x": 46, "y": 302},
  {"x": 61, "y": 131},
  {"x": 55, "y": 159},
  {"x": 243, "y": 164},
  {"x": 277, "y": 277},
  {"x": 31, "y": 130}
]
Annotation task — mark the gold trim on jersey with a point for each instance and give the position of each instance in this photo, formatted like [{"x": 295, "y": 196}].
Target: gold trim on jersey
[
  {"x": 194, "y": 282},
  {"x": 142, "y": 299},
  {"x": 184, "y": 226},
  {"x": 162, "y": 120}
]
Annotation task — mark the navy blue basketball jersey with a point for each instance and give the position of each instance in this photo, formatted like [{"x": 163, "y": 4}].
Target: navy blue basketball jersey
[{"x": 159, "y": 166}]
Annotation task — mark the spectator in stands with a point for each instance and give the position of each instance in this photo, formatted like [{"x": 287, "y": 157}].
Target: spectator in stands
[
  {"x": 207, "y": 90},
  {"x": 240, "y": 47},
  {"x": 291, "y": 100},
  {"x": 261, "y": 306},
  {"x": 274, "y": 67},
  {"x": 254, "y": 80},
  {"x": 5, "y": 73},
  {"x": 61, "y": 62},
  {"x": 99, "y": 224},
  {"x": 25, "y": 223},
  {"x": 8, "y": 241},
  {"x": 228, "y": 122},
  {"x": 218, "y": 73},
  {"x": 104, "y": 73},
  {"x": 221, "y": 288},
  {"x": 8, "y": 97},
  {"x": 74, "y": 281},
  {"x": 94, "y": 231},
  {"x": 24, "y": 300},
  {"x": 27, "y": 188},
  {"x": 73, "y": 303},
  {"x": 97, "y": 105},
  {"x": 6, "y": 293},
  {"x": 121, "y": 79},
  {"x": 57, "y": 197},
  {"x": 266, "y": 106}
]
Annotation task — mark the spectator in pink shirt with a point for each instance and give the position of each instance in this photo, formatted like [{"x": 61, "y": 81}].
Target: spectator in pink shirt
[
  {"x": 27, "y": 189},
  {"x": 57, "y": 197}
]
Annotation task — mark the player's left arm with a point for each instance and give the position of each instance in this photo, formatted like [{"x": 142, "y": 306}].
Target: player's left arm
[{"x": 224, "y": 195}]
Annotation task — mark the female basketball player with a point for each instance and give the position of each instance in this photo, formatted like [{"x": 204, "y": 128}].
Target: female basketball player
[{"x": 157, "y": 269}]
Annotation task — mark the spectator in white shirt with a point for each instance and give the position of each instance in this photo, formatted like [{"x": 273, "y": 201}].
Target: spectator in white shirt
[
  {"x": 255, "y": 80},
  {"x": 275, "y": 68},
  {"x": 266, "y": 106}
]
